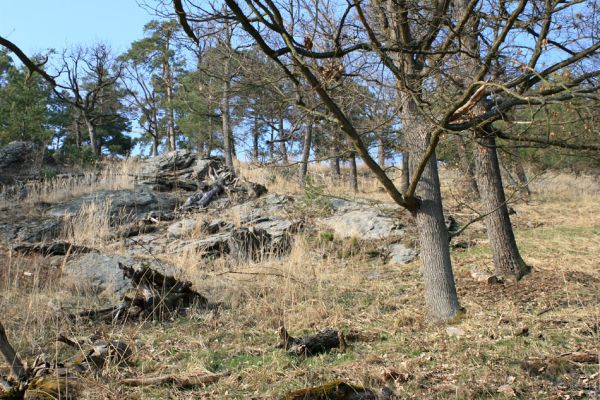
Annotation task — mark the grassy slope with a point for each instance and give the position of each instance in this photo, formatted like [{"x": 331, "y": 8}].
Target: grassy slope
[{"x": 337, "y": 284}]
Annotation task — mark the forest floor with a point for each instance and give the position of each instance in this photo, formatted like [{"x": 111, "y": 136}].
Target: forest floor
[{"x": 513, "y": 341}]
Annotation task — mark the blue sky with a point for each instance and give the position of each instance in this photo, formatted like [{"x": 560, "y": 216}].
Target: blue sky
[{"x": 36, "y": 25}]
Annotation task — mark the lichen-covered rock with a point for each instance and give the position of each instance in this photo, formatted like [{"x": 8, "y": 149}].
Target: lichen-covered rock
[{"x": 364, "y": 223}]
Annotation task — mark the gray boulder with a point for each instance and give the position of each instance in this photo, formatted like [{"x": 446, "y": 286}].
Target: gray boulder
[
  {"x": 401, "y": 254},
  {"x": 100, "y": 273},
  {"x": 364, "y": 223}
]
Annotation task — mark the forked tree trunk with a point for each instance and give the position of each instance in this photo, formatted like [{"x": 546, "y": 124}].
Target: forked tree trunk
[
  {"x": 465, "y": 165},
  {"x": 440, "y": 290},
  {"x": 507, "y": 259},
  {"x": 306, "y": 153},
  {"x": 353, "y": 172}
]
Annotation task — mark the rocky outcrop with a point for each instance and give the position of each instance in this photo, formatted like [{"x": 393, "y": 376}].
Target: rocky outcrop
[
  {"x": 36, "y": 230},
  {"x": 18, "y": 160},
  {"x": 176, "y": 170},
  {"x": 121, "y": 205}
]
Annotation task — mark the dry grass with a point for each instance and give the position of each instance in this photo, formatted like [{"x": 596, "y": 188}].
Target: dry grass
[{"x": 338, "y": 284}]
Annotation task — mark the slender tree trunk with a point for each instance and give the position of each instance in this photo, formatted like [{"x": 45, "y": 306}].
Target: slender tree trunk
[
  {"x": 354, "y": 172},
  {"x": 440, "y": 290},
  {"x": 465, "y": 165},
  {"x": 381, "y": 151},
  {"x": 507, "y": 259},
  {"x": 282, "y": 146},
  {"x": 170, "y": 120},
  {"x": 209, "y": 142},
  {"x": 225, "y": 113},
  {"x": 334, "y": 167},
  {"x": 92, "y": 135},
  {"x": 154, "y": 145},
  {"x": 306, "y": 152},
  {"x": 272, "y": 146},
  {"x": 255, "y": 138},
  {"x": 405, "y": 171},
  {"x": 516, "y": 166},
  {"x": 77, "y": 133}
]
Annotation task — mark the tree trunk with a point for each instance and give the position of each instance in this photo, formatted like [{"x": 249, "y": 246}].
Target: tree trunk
[
  {"x": 209, "y": 142},
  {"x": 465, "y": 165},
  {"x": 154, "y": 145},
  {"x": 272, "y": 146},
  {"x": 440, "y": 290},
  {"x": 306, "y": 153},
  {"x": 93, "y": 139},
  {"x": 334, "y": 166},
  {"x": 515, "y": 163},
  {"x": 381, "y": 151},
  {"x": 255, "y": 138},
  {"x": 354, "y": 172},
  {"x": 225, "y": 114},
  {"x": 405, "y": 171},
  {"x": 282, "y": 146},
  {"x": 507, "y": 259}
]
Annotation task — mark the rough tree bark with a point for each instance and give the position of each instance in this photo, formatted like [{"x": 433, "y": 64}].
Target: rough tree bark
[
  {"x": 381, "y": 151},
  {"x": 354, "y": 172},
  {"x": 507, "y": 259},
  {"x": 465, "y": 165},
  {"x": 405, "y": 171},
  {"x": 92, "y": 134},
  {"x": 440, "y": 290}
]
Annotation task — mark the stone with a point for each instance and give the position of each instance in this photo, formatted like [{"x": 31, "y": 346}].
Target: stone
[
  {"x": 239, "y": 243},
  {"x": 176, "y": 170},
  {"x": 366, "y": 223},
  {"x": 455, "y": 331},
  {"x": 183, "y": 228},
  {"x": 401, "y": 254},
  {"x": 122, "y": 204},
  {"x": 32, "y": 231},
  {"x": 97, "y": 272},
  {"x": 101, "y": 274},
  {"x": 19, "y": 160}
]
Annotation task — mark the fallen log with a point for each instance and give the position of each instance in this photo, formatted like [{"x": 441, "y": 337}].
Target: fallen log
[
  {"x": 186, "y": 381},
  {"x": 311, "y": 345}
]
